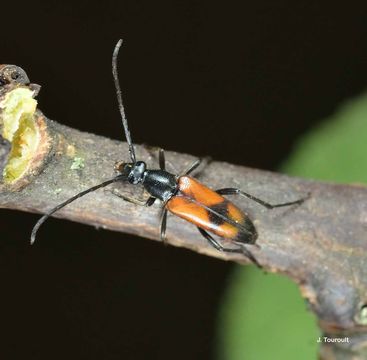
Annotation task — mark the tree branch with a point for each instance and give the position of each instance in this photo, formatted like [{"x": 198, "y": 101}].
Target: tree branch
[{"x": 320, "y": 244}]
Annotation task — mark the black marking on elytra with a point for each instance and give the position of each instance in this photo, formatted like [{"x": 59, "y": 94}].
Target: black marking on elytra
[
  {"x": 250, "y": 235},
  {"x": 224, "y": 218},
  {"x": 221, "y": 208}
]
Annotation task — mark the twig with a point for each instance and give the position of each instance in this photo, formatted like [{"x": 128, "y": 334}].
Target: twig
[{"x": 320, "y": 244}]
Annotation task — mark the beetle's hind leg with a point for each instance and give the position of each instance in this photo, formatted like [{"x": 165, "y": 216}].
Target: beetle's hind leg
[
  {"x": 220, "y": 247},
  {"x": 234, "y": 191},
  {"x": 195, "y": 165}
]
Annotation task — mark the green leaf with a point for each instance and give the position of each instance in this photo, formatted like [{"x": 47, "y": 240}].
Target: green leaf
[{"x": 263, "y": 316}]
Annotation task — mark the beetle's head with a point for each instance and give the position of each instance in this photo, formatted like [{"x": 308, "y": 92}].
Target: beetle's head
[{"x": 134, "y": 172}]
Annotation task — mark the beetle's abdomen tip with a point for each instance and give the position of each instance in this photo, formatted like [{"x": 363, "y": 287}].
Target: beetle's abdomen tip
[{"x": 250, "y": 235}]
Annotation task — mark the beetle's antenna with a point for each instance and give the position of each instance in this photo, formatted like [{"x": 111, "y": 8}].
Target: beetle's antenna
[
  {"x": 119, "y": 99},
  {"x": 68, "y": 201}
]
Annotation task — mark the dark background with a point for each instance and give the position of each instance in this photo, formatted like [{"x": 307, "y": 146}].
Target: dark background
[{"x": 239, "y": 81}]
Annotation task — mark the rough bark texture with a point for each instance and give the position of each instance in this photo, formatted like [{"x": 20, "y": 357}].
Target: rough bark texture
[{"x": 320, "y": 244}]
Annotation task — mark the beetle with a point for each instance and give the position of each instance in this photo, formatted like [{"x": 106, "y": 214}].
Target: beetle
[{"x": 181, "y": 195}]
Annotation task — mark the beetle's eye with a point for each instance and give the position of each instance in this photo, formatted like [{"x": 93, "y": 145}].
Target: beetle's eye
[{"x": 2, "y": 82}]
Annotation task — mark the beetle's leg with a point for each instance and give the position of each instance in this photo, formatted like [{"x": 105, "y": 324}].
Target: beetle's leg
[
  {"x": 233, "y": 191},
  {"x": 150, "y": 201},
  {"x": 162, "y": 160},
  {"x": 163, "y": 225},
  {"x": 152, "y": 153},
  {"x": 220, "y": 247},
  {"x": 195, "y": 165},
  {"x": 191, "y": 168},
  {"x": 206, "y": 160},
  {"x": 216, "y": 244}
]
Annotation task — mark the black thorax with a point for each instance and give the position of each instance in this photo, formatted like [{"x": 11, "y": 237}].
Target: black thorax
[{"x": 160, "y": 184}]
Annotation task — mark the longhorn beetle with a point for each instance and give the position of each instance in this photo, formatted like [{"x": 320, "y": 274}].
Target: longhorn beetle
[{"x": 182, "y": 195}]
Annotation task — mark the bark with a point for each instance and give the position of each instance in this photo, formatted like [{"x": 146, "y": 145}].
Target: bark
[{"x": 320, "y": 244}]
